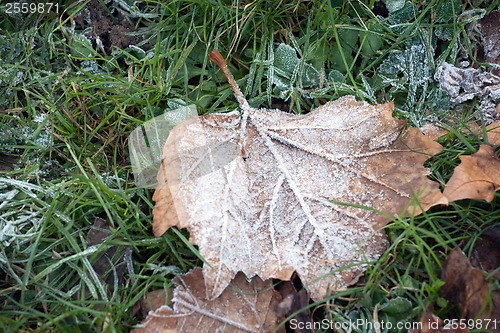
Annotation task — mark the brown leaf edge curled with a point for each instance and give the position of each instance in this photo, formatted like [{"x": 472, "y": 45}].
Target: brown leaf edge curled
[{"x": 478, "y": 175}]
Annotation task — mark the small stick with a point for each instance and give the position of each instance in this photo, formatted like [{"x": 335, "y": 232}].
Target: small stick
[{"x": 217, "y": 58}]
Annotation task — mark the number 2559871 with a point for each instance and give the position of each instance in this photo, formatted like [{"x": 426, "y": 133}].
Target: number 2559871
[{"x": 31, "y": 7}]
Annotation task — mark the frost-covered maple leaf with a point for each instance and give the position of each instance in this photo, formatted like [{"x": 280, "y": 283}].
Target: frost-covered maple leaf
[{"x": 259, "y": 190}]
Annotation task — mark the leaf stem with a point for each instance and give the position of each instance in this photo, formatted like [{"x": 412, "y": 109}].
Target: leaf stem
[{"x": 217, "y": 58}]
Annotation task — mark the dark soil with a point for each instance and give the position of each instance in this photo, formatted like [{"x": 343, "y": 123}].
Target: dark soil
[{"x": 109, "y": 24}]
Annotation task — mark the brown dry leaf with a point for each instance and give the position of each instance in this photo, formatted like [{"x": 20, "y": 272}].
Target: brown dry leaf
[
  {"x": 478, "y": 175},
  {"x": 463, "y": 84},
  {"x": 293, "y": 301},
  {"x": 467, "y": 287},
  {"x": 486, "y": 251},
  {"x": 268, "y": 211},
  {"x": 243, "y": 307}
]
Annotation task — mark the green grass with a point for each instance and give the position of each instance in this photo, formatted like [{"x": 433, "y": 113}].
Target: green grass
[{"x": 67, "y": 107}]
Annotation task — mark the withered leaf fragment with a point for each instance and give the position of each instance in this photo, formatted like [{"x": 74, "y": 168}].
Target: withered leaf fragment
[
  {"x": 478, "y": 175},
  {"x": 486, "y": 251},
  {"x": 243, "y": 307},
  {"x": 292, "y": 302},
  {"x": 491, "y": 36},
  {"x": 467, "y": 287},
  {"x": 271, "y": 210}
]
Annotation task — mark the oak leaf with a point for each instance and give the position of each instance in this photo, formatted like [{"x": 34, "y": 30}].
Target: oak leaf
[
  {"x": 244, "y": 307},
  {"x": 273, "y": 208},
  {"x": 478, "y": 175}
]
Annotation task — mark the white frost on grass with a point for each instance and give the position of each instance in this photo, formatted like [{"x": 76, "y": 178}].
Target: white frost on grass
[
  {"x": 16, "y": 226},
  {"x": 39, "y": 118},
  {"x": 40, "y": 138},
  {"x": 112, "y": 180}
]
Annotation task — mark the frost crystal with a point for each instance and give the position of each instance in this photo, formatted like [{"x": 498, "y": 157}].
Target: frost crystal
[
  {"x": 463, "y": 84},
  {"x": 288, "y": 73},
  {"x": 18, "y": 225},
  {"x": 409, "y": 71}
]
